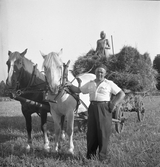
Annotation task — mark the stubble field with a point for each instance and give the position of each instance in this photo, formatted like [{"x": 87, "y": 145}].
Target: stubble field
[{"x": 137, "y": 146}]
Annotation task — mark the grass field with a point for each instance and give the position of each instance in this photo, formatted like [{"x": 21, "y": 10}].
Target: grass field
[{"x": 137, "y": 146}]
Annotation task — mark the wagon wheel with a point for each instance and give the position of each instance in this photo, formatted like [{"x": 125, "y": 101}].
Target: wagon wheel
[
  {"x": 118, "y": 115},
  {"x": 82, "y": 125},
  {"x": 82, "y": 121},
  {"x": 140, "y": 111}
]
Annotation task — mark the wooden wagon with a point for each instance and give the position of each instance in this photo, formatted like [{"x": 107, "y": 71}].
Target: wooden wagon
[{"x": 133, "y": 102}]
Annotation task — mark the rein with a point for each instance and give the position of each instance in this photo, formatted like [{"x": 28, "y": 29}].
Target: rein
[
  {"x": 32, "y": 77},
  {"x": 19, "y": 78},
  {"x": 61, "y": 90},
  {"x": 76, "y": 77}
]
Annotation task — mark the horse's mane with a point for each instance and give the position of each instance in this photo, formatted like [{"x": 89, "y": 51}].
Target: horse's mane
[
  {"x": 52, "y": 61},
  {"x": 28, "y": 62}
]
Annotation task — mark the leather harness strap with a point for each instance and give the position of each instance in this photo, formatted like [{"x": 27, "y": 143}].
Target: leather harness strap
[
  {"x": 64, "y": 89},
  {"x": 32, "y": 77}
]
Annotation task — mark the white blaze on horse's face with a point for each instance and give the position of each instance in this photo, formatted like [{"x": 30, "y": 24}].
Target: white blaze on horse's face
[
  {"x": 11, "y": 68},
  {"x": 53, "y": 68},
  {"x": 10, "y": 73},
  {"x": 14, "y": 65}
]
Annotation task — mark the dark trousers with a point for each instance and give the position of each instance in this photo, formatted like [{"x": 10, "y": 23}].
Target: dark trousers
[{"x": 99, "y": 130}]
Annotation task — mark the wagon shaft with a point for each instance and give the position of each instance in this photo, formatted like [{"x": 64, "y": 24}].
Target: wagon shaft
[
  {"x": 116, "y": 120},
  {"x": 121, "y": 121}
]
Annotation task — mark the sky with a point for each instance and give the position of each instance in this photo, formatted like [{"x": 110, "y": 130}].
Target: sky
[{"x": 75, "y": 26}]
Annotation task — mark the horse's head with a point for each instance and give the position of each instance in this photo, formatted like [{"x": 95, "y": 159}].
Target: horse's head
[
  {"x": 53, "y": 68},
  {"x": 15, "y": 65}
]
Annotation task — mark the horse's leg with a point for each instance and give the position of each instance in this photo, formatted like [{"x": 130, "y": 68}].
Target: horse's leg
[
  {"x": 28, "y": 119},
  {"x": 57, "y": 134},
  {"x": 44, "y": 129},
  {"x": 70, "y": 129},
  {"x": 57, "y": 128},
  {"x": 62, "y": 127}
]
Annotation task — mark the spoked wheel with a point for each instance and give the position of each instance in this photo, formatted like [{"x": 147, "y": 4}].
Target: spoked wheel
[
  {"x": 82, "y": 125},
  {"x": 119, "y": 116},
  {"x": 82, "y": 121}
]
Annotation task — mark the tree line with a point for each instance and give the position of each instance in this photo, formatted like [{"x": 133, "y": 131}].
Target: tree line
[
  {"x": 156, "y": 65},
  {"x": 3, "y": 89}
]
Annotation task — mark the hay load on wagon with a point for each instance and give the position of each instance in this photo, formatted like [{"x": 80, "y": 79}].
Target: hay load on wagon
[{"x": 130, "y": 70}]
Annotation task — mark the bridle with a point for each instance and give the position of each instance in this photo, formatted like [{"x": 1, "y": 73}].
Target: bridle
[
  {"x": 49, "y": 88},
  {"x": 63, "y": 79},
  {"x": 17, "y": 89},
  {"x": 19, "y": 78}
]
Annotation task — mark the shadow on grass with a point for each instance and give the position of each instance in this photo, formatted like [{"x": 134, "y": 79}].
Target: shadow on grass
[{"x": 13, "y": 127}]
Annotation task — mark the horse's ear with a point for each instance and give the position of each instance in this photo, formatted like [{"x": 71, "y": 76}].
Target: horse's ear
[
  {"x": 23, "y": 53},
  {"x": 60, "y": 52},
  {"x": 43, "y": 55},
  {"x": 9, "y": 52}
]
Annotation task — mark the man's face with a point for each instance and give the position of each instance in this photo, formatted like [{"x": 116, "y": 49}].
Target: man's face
[{"x": 100, "y": 73}]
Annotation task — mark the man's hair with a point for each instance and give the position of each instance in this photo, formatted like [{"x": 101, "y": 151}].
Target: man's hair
[{"x": 102, "y": 66}]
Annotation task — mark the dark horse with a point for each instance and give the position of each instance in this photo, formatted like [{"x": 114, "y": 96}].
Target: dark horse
[{"x": 28, "y": 83}]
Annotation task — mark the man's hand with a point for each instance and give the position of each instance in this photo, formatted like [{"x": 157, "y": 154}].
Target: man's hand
[
  {"x": 116, "y": 101},
  {"x": 73, "y": 88},
  {"x": 68, "y": 84},
  {"x": 112, "y": 106}
]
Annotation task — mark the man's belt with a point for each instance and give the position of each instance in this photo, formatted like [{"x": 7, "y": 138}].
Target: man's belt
[{"x": 99, "y": 102}]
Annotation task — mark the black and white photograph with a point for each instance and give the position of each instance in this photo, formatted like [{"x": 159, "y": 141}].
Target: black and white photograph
[{"x": 79, "y": 83}]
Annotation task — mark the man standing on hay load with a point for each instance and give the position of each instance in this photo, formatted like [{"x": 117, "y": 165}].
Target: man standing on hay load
[
  {"x": 99, "y": 111},
  {"x": 102, "y": 46}
]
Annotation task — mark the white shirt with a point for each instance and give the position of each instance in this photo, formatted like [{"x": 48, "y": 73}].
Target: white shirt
[{"x": 101, "y": 93}]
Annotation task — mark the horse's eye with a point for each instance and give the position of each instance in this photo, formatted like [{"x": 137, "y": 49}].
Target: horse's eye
[{"x": 18, "y": 62}]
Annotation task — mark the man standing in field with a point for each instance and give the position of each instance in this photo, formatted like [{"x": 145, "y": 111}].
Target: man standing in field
[
  {"x": 99, "y": 111},
  {"x": 102, "y": 46}
]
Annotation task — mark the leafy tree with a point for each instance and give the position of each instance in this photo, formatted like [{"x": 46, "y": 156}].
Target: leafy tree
[
  {"x": 2, "y": 88},
  {"x": 156, "y": 66},
  {"x": 129, "y": 69},
  {"x": 156, "y": 63}
]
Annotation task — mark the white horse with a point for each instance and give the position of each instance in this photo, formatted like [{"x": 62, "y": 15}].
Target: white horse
[{"x": 65, "y": 104}]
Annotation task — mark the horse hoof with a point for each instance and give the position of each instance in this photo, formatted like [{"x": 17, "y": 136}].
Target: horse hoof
[
  {"x": 71, "y": 151},
  {"x": 28, "y": 148},
  {"x": 57, "y": 149},
  {"x": 47, "y": 148},
  {"x": 63, "y": 137}
]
